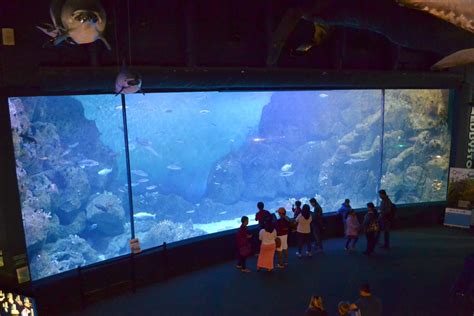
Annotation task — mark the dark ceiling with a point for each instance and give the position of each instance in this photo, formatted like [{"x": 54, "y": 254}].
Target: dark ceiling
[{"x": 229, "y": 33}]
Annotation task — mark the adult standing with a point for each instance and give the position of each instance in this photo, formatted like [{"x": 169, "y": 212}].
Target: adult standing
[
  {"x": 386, "y": 218},
  {"x": 267, "y": 250},
  {"x": 303, "y": 231},
  {"x": 317, "y": 225},
  {"x": 371, "y": 227},
  {"x": 368, "y": 304}
]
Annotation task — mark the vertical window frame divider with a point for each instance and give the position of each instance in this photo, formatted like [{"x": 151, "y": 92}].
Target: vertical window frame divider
[
  {"x": 381, "y": 145},
  {"x": 129, "y": 172}
]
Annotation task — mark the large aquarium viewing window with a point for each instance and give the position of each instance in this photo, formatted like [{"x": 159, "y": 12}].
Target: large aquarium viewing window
[{"x": 201, "y": 160}]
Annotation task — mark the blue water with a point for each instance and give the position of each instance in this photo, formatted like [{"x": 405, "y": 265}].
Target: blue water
[{"x": 201, "y": 160}]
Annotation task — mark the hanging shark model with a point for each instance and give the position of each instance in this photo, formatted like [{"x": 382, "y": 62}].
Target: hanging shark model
[
  {"x": 406, "y": 27},
  {"x": 126, "y": 82},
  {"x": 457, "y": 12},
  {"x": 76, "y": 21}
]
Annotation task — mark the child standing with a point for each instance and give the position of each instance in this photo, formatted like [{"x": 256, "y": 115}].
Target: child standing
[
  {"x": 296, "y": 209},
  {"x": 352, "y": 229},
  {"x": 243, "y": 244},
  {"x": 282, "y": 227}
]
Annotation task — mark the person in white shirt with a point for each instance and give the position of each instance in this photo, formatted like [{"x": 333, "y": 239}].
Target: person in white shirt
[
  {"x": 303, "y": 231},
  {"x": 267, "y": 250}
]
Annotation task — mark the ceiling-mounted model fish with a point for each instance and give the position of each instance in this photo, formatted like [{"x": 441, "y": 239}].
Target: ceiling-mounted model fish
[
  {"x": 79, "y": 21},
  {"x": 457, "y": 12},
  {"x": 320, "y": 33},
  {"x": 406, "y": 27},
  {"x": 127, "y": 82}
]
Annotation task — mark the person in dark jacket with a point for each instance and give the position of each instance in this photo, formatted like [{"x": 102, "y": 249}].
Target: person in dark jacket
[
  {"x": 371, "y": 227},
  {"x": 315, "y": 307},
  {"x": 282, "y": 227},
  {"x": 262, "y": 215},
  {"x": 296, "y": 209},
  {"x": 344, "y": 209},
  {"x": 385, "y": 218},
  {"x": 368, "y": 304},
  {"x": 317, "y": 225}
]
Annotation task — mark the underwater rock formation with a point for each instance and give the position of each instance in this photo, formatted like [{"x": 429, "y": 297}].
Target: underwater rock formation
[
  {"x": 301, "y": 149},
  {"x": 416, "y": 149},
  {"x": 106, "y": 212},
  {"x": 63, "y": 255},
  {"x": 74, "y": 188},
  {"x": 36, "y": 223},
  {"x": 168, "y": 231}
]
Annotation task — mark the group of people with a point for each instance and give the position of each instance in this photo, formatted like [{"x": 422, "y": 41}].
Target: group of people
[
  {"x": 365, "y": 305},
  {"x": 274, "y": 231},
  {"x": 373, "y": 225}
]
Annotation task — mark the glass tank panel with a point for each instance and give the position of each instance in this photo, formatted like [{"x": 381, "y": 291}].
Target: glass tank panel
[
  {"x": 70, "y": 161},
  {"x": 202, "y": 160}
]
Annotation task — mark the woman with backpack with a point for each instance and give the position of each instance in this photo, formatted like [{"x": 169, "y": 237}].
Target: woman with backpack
[{"x": 371, "y": 228}]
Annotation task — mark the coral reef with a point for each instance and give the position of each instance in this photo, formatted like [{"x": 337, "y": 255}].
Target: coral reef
[
  {"x": 36, "y": 223},
  {"x": 105, "y": 211},
  {"x": 63, "y": 255}
]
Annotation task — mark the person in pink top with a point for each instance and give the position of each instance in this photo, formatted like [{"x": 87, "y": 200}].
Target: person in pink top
[{"x": 352, "y": 229}]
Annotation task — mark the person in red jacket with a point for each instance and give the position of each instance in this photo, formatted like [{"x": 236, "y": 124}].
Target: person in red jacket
[
  {"x": 283, "y": 228},
  {"x": 244, "y": 247}
]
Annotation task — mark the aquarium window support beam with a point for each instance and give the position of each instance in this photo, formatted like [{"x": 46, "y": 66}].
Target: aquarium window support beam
[
  {"x": 129, "y": 172},
  {"x": 87, "y": 80}
]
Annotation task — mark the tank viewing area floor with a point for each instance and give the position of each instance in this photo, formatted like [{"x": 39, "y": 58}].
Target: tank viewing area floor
[{"x": 413, "y": 278}]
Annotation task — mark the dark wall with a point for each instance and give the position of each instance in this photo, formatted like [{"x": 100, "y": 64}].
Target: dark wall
[
  {"x": 462, "y": 154},
  {"x": 12, "y": 238},
  {"x": 222, "y": 33}
]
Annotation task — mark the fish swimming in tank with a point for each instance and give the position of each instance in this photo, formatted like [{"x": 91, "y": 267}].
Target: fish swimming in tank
[
  {"x": 146, "y": 144},
  {"x": 140, "y": 173},
  {"x": 77, "y": 22},
  {"x": 174, "y": 167},
  {"x": 286, "y": 167},
  {"x": 104, "y": 171},
  {"x": 144, "y": 215},
  {"x": 87, "y": 163}
]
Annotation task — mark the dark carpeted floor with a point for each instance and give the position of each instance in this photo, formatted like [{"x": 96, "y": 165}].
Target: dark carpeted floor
[{"x": 414, "y": 278}]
